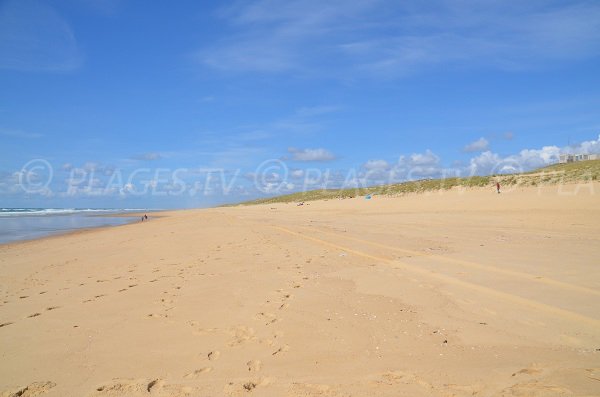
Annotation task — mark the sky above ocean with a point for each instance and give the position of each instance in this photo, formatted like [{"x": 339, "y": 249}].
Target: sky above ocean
[{"x": 147, "y": 104}]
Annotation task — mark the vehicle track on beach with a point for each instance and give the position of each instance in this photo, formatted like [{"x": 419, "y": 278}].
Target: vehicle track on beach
[
  {"x": 471, "y": 264},
  {"x": 505, "y": 296}
]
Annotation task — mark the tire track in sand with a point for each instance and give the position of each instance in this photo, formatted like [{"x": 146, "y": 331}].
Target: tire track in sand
[
  {"x": 474, "y": 265},
  {"x": 565, "y": 314}
]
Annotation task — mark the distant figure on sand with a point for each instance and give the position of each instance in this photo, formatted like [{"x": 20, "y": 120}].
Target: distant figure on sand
[
  {"x": 145, "y": 216},
  {"x": 498, "y": 187}
]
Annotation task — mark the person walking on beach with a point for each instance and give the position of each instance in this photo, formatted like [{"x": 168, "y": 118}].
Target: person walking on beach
[{"x": 498, "y": 187}]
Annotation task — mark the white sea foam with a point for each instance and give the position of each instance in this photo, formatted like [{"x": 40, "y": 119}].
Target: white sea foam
[{"x": 5, "y": 212}]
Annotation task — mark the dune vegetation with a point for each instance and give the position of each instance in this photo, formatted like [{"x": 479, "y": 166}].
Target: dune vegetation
[{"x": 550, "y": 175}]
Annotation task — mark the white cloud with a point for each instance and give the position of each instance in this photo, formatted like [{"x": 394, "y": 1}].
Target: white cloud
[
  {"x": 527, "y": 159},
  {"x": 411, "y": 167},
  {"x": 427, "y": 158},
  {"x": 376, "y": 165},
  {"x": 478, "y": 146},
  {"x": 319, "y": 154},
  {"x": 297, "y": 174},
  {"x": 586, "y": 147}
]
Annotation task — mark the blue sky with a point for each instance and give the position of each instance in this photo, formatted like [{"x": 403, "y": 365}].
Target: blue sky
[{"x": 187, "y": 104}]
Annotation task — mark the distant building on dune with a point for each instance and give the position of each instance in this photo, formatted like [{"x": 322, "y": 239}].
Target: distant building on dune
[{"x": 571, "y": 158}]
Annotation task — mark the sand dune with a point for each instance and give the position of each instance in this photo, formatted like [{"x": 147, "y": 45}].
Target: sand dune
[{"x": 457, "y": 293}]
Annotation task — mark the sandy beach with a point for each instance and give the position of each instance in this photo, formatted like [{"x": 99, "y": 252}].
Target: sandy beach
[{"x": 454, "y": 293}]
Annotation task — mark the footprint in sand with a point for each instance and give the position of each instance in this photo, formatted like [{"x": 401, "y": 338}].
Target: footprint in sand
[
  {"x": 197, "y": 373},
  {"x": 269, "y": 318},
  {"x": 52, "y": 308},
  {"x": 34, "y": 389},
  {"x": 528, "y": 371},
  {"x": 154, "y": 385},
  {"x": 281, "y": 350},
  {"x": 155, "y": 315},
  {"x": 234, "y": 389},
  {"x": 214, "y": 355},
  {"x": 254, "y": 365},
  {"x": 200, "y": 330},
  {"x": 535, "y": 388},
  {"x": 126, "y": 387},
  {"x": 287, "y": 296},
  {"x": 34, "y": 315},
  {"x": 241, "y": 335},
  {"x": 5, "y": 324}
]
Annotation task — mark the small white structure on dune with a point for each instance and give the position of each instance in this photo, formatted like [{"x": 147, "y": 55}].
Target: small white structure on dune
[{"x": 571, "y": 158}]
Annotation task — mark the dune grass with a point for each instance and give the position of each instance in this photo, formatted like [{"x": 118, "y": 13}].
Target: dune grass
[{"x": 550, "y": 175}]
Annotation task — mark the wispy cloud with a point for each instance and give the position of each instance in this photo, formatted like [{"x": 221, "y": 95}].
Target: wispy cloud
[
  {"x": 319, "y": 154},
  {"x": 272, "y": 36},
  {"x": 374, "y": 38},
  {"x": 314, "y": 111},
  {"x": 103, "y": 7},
  {"x": 149, "y": 156},
  {"x": 19, "y": 134},
  {"x": 377, "y": 165},
  {"x": 35, "y": 38},
  {"x": 478, "y": 146},
  {"x": 303, "y": 121}
]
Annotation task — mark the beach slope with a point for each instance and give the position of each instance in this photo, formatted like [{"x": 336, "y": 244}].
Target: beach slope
[{"x": 459, "y": 292}]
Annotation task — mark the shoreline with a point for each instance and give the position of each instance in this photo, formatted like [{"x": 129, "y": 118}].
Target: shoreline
[
  {"x": 553, "y": 188},
  {"x": 87, "y": 229}
]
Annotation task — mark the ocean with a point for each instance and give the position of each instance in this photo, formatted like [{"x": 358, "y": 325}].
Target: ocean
[{"x": 31, "y": 223}]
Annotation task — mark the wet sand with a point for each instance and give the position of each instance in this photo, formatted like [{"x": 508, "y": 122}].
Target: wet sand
[{"x": 455, "y": 293}]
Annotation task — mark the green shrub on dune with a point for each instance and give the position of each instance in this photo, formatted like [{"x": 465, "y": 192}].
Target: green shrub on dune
[{"x": 553, "y": 174}]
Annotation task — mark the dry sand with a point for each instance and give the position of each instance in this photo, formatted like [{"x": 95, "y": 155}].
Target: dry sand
[{"x": 446, "y": 294}]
